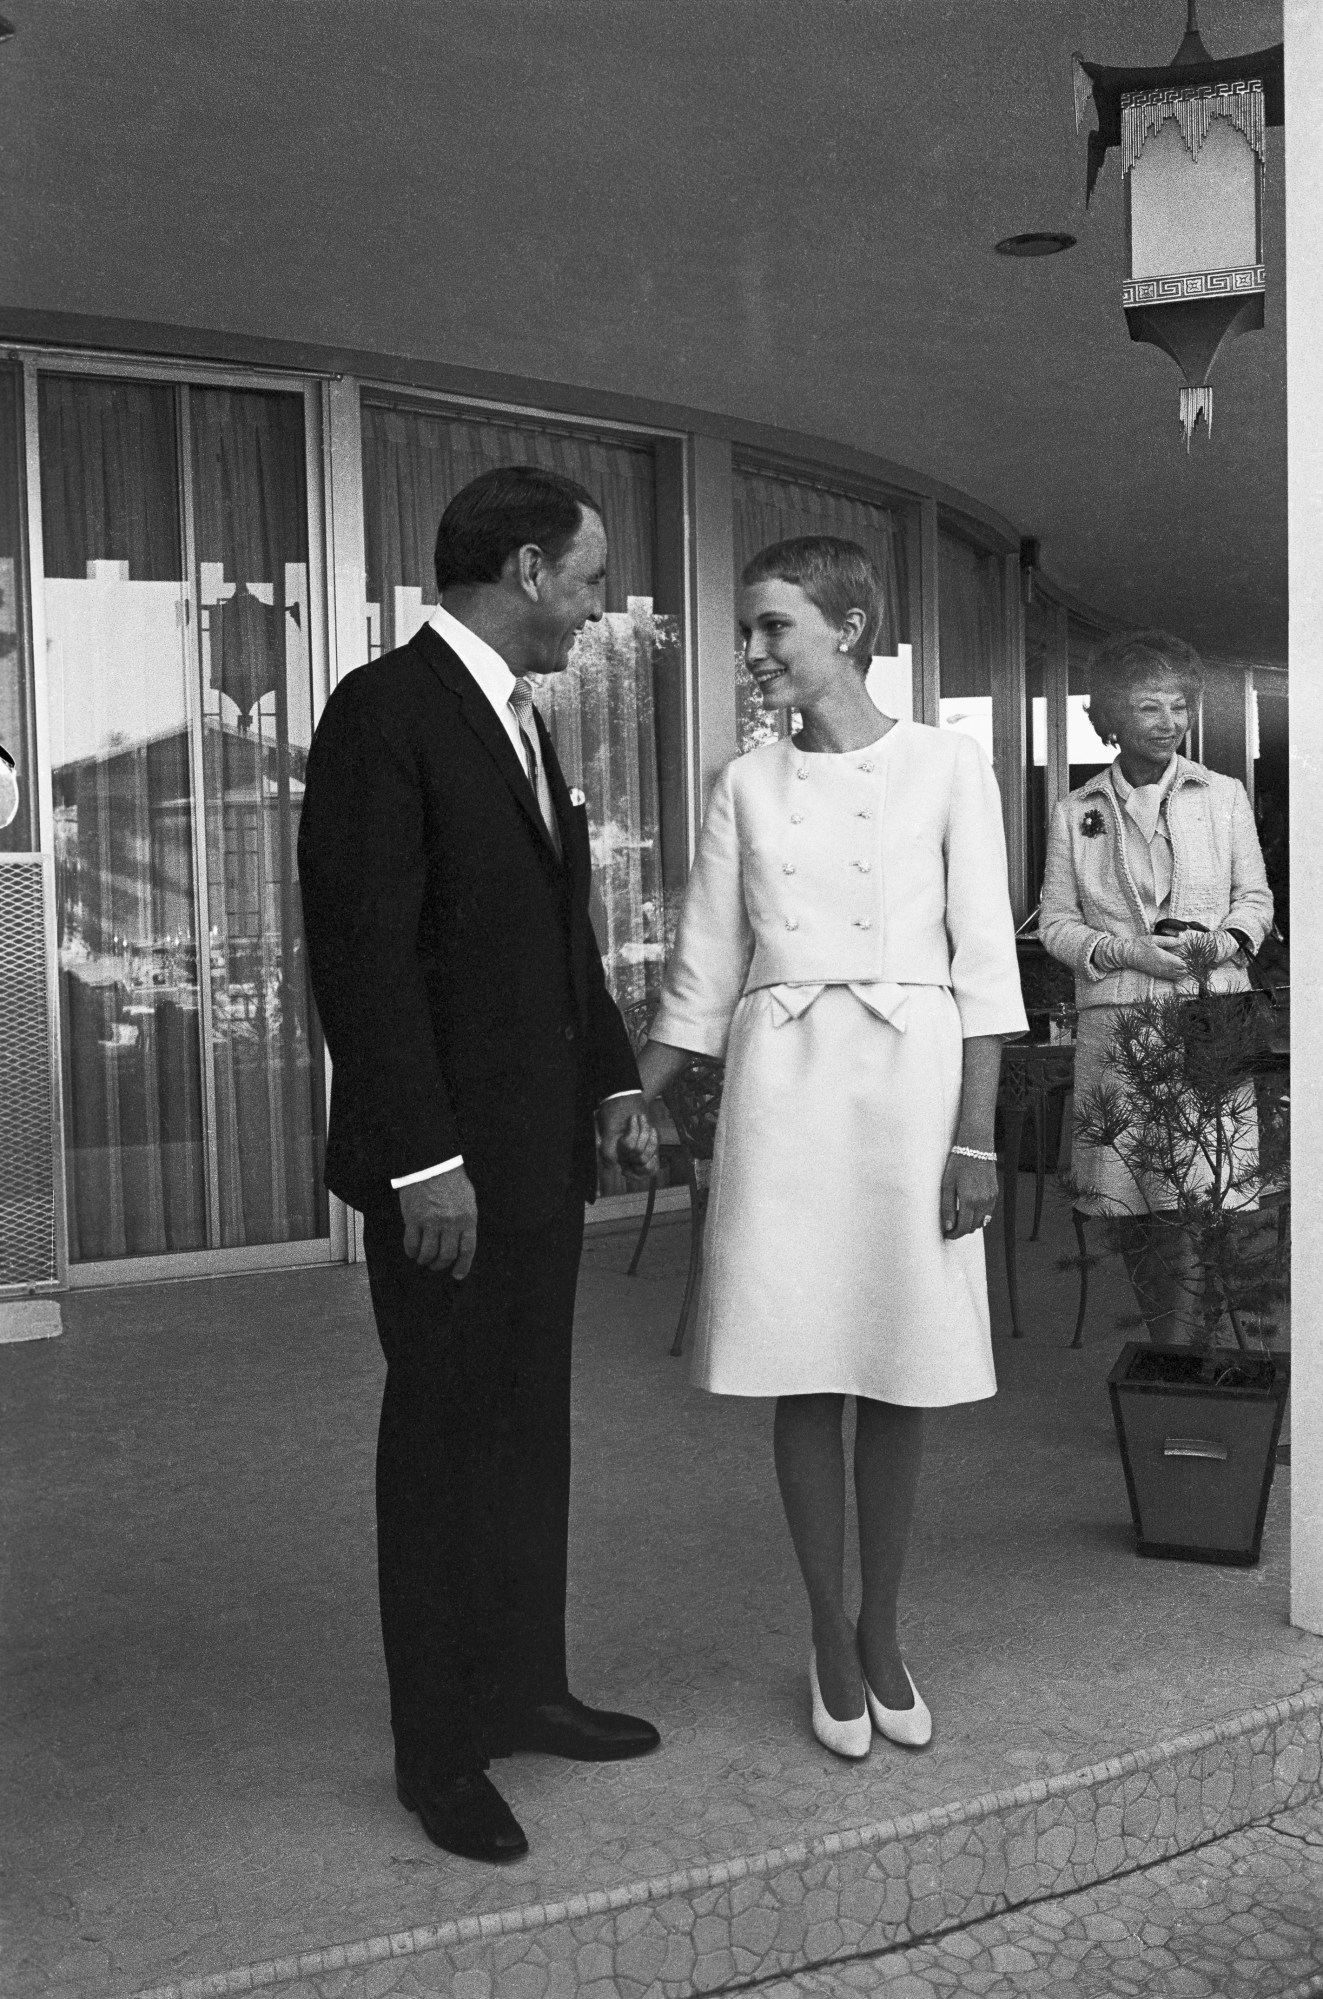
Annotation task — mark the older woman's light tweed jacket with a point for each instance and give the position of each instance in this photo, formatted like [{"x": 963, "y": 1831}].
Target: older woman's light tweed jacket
[{"x": 1218, "y": 879}]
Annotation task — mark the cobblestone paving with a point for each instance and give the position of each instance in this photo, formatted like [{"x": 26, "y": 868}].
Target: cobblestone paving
[{"x": 1239, "y": 1919}]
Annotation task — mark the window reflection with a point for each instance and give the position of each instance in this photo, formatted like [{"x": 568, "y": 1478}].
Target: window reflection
[
  {"x": 116, "y": 625},
  {"x": 154, "y": 713}
]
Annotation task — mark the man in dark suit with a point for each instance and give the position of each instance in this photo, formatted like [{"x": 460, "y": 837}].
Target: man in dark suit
[{"x": 479, "y": 1064}]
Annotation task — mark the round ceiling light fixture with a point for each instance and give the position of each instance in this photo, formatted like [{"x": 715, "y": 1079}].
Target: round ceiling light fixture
[
  {"x": 7, "y": 30},
  {"x": 1035, "y": 243}
]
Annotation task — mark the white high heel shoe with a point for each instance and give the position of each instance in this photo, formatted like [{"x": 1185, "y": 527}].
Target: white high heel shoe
[
  {"x": 911, "y": 1727},
  {"x": 843, "y": 1738}
]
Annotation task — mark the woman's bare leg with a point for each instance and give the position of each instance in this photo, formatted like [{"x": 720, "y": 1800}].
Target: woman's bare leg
[
  {"x": 810, "y": 1469},
  {"x": 888, "y": 1454}
]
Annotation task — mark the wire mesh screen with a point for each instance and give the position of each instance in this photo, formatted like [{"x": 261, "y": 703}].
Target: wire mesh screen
[{"x": 28, "y": 1249}]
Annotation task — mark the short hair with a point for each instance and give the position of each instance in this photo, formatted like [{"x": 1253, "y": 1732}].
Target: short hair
[
  {"x": 1131, "y": 659},
  {"x": 502, "y": 510},
  {"x": 836, "y": 575}
]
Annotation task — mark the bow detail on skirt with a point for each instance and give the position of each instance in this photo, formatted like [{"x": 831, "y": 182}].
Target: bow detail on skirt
[{"x": 888, "y": 1001}]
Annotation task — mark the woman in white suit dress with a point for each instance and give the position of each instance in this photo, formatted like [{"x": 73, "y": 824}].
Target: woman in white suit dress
[{"x": 847, "y": 946}]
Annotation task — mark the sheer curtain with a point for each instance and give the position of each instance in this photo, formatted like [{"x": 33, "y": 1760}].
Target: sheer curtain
[
  {"x": 15, "y": 688},
  {"x": 601, "y": 711},
  {"x": 130, "y": 1016},
  {"x": 251, "y": 528},
  {"x": 773, "y": 506},
  {"x": 968, "y": 606},
  {"x": 149, "y": 699}
]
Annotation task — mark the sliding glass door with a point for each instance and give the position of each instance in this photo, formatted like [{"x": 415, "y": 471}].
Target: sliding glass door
[{"x": 180, "y": 671}]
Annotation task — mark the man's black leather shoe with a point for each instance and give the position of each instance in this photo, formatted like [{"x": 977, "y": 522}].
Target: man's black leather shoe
[
  {"x": 568, "y": 1728},
  {"x": 467, "y": 1816}
]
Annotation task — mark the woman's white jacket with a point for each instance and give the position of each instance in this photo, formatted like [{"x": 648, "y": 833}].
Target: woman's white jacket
[{"x": 876, "y": 869}]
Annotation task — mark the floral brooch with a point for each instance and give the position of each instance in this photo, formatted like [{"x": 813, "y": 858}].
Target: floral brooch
[{"x": 1093, "y": 825}]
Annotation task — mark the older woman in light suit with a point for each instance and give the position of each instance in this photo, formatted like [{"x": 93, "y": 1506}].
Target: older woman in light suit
[
  {"x": 846, "y": 945},
  {"x": 1153, "y": 849}
]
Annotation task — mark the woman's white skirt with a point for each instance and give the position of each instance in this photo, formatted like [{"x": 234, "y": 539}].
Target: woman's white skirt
[{"x": 825, "y": 1267}]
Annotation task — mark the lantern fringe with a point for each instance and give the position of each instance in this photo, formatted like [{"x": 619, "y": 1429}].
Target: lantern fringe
[
  {"x": 1144, "y": 111},
  {"x": 1196, "y": 403},
  {"x": 1083, "y": 90}
]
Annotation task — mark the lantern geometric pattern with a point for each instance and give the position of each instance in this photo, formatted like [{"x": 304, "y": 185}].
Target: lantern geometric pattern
[{"x": 1191, "y": 139}]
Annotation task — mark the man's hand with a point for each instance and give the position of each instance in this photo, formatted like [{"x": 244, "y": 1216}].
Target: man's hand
[
  {"x": 441, "y": 1222},
  {"x": 626, "y": 1136}
]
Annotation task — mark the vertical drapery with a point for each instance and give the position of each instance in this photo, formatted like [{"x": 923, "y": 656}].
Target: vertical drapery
[
  {"x": 251, "y": 528},
  {"x": 774, "y": 506},
  {"x": 968, "y": 612},
  {"x": 968, "y": 593},
  {"x": 117, "y": 664},
  {"x": 15, "y": 687},
  {"x": 1040, "y": 624},
  {"x": 601, "y": 710},
  {"x": 1087, "y": 751},
  {"x": 145, "y": 661}
]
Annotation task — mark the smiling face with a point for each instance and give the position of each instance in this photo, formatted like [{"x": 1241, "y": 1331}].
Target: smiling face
[
  {"x": 790, "y": 649},
  {"x": 1151, "y": 723},
  {"x": 564, "y": 596}
]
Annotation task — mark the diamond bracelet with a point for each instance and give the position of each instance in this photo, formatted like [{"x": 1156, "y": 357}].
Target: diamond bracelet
[{"x": 972, "y": 1152}]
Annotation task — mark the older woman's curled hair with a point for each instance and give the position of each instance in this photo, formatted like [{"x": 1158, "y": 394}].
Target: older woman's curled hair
[{"x": 1139, "y": 659}]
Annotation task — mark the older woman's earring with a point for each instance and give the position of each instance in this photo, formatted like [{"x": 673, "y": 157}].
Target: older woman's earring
[{"x": 843, "y": 648}]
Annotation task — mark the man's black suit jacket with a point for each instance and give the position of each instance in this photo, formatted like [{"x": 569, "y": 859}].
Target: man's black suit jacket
[{"x": 453, "y": 961}]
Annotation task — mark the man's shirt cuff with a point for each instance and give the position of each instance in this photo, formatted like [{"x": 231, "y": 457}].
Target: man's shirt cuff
[{"x": 429, "y": 1172}]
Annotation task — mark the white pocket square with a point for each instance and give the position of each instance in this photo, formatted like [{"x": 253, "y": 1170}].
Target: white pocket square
[{"x": 576, "y": 796}]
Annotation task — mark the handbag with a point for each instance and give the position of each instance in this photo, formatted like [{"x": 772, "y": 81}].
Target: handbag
[{"x": 1239, "y": 1028}]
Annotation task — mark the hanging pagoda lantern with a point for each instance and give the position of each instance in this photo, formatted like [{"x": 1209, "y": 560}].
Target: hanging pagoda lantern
[{"x": 1191, "y": 138}]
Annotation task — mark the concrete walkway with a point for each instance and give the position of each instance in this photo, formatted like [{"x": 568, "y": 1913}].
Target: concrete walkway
[{"x": 200, "y": 1764}]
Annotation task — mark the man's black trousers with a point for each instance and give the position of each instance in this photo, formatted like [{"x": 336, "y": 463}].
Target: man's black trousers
[{"x": 473, "y": 1483}]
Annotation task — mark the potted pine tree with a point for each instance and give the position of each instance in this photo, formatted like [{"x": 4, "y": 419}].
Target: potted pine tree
[{"x": 1199, "y": 1110}]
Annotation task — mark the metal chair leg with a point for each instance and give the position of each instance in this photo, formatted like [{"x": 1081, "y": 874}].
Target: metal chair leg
[
  {"x": 1040, "y": 1161},
  {"x": 643, "y": 1232},
  {"x": 1080, "y": 1238},
  {"x": 697, "y": 1209},
  {"x": 1010, "y": 1179}
]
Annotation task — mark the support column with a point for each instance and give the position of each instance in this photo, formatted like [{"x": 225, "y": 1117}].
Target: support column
[
  {"x": 712, "y": 582},
  {"x": 347, "y": 556},
  {"x": 1303, "y": 25},
  {"x": 1010, "y": 747},
  {"x": 347, "y": 633},
  {"x": 927, "y": 679},
  {"x": 1056, "y": 687}
]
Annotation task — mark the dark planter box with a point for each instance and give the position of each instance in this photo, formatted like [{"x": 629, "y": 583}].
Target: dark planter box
[{"x": 1198, "y": 1436}]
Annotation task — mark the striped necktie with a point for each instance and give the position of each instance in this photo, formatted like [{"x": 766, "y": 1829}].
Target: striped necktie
[{"x": 521, "y": 703}]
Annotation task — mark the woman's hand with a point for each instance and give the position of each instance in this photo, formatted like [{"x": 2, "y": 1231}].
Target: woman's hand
[
  {"x": 969, "y": 1195},
  {"x": 1159, "y": 961}
]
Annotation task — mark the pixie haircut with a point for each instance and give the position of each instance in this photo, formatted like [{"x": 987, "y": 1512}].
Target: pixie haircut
[
  {"x": 1136, "y": 659},
  {"x": 501, "y": 511},
  {"x": 835, "y": 575}
]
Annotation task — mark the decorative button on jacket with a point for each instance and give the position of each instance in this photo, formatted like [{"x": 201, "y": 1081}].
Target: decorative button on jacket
[{"x": 936, "y": 905}]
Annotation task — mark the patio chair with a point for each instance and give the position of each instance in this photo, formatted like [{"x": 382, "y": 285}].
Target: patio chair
[{"x": 692, "y": 1102}]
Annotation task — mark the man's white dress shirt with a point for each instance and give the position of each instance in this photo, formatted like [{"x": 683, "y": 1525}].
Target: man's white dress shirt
[{"x": 496, "y": 681}]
